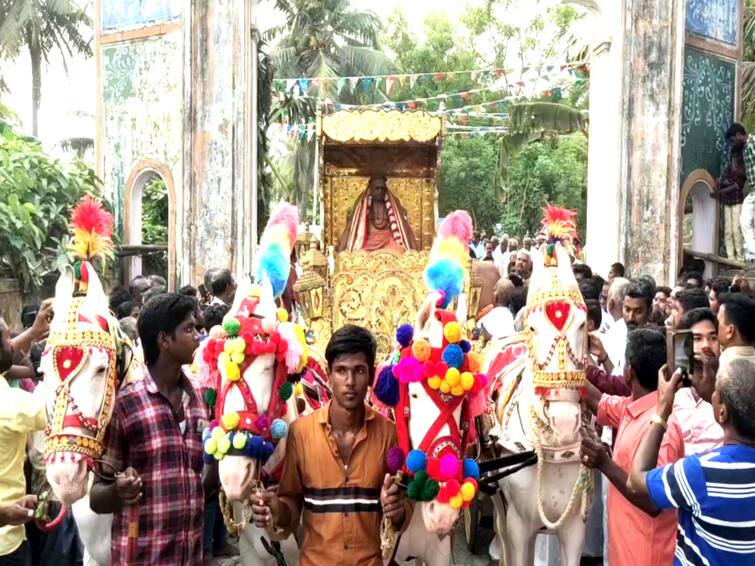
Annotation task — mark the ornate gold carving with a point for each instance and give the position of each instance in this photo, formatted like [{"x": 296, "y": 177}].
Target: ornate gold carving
[
  {"x": 381, "y": 125},
  {"x": 379, "y": 290},
  {"x": 416, "y": 195}
]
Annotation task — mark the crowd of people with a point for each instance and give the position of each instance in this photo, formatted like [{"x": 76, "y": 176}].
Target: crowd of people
[{"x": 676, "y": 447}]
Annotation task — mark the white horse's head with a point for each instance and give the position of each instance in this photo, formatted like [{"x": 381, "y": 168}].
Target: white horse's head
[
  {"x": 252, "y": 356},
  {"x": 556, "y": 332},
  {"x": 436, "y": 375},
  {"x": 80, "y": 365}
]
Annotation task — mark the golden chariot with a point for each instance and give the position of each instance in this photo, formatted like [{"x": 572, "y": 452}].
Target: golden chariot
[{"x": 382, "y": 289}]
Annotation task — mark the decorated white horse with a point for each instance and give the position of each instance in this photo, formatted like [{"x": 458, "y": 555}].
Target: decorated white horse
[
  {"x": 435, "y": 385},
  {"x": 539, "y": 375},
  {"x": 84, "y": 363},
  {"x": 256, "y": 359}
]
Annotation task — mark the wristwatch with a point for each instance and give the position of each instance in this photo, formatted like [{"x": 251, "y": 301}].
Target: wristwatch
[{"x": 659, "y": 420}]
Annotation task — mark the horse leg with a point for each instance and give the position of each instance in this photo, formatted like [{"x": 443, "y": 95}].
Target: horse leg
[
  {"x": 497, "y": 544},
  {"x": 571, "y": 536},
  {"x": 519, "y": 547}
]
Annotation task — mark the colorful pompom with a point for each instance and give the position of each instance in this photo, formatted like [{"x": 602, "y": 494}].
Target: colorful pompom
[
  {"x": 217, "y": 433},
  {"x": 421, "y": 349},
  {"x": 453, "y": 356},
  {"x": 416, "y": 461},
  {"x": 467, "y": 381},
  {"x": 452, "y": 332},
  {"x": 473, "y": 362},
  {"x": 282, "y": 315},
  {"x": 224, "y": 444},
  {"x": 453, "y": 377},
  {"x": 386, "y": 387},
  {"x": 231, "y": 326},
  {"x": 210, "y": 446},
  {"x": 448, "y": 467},
  {"x": 210, "y": 396},
  {"x": 285, "y": 391},
  {"x": 268, "y": 325},
  {"x": 278, "y": 429},
  {"x": 456, "y": 501},
  {"x": 468, "y": 490},
  {"x": 404, "y": 335},
  {"x": 465, "y": 346},
  {"x": 232, "y": 371},
  {"x": 394, "y": 459},
  {"x": 239, "y": 441},
  {"x": 471, "y": 469},
  {"x": 408, "y": 370},
  {"x": 434, "y": 382},
  {"x": 430, "y": 490},
  {"x": 230, "y": 420}
]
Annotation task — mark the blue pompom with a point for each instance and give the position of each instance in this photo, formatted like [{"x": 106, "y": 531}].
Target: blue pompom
[
  {"x": 386, "y": 387},
  {"x": 471, "y": 469},
  {"x": 447, "y": 276},
  {"x": 453, "y": 356},
  {"x": 275, "y": 267},
  {"x": 465, "y": 346},
  {"x": 253, "y": 447},
  {"x": 279, "y": 429},
  {"x": 207, "y": 433},
  {"x": 207, "y": 458},
  {"x": 404, "y": 335},
  {"x": 416, "y": 461},
  {"x": 267, "y": 451}
]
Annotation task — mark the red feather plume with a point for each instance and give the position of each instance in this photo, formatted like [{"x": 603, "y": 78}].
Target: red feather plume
[{"x": 92, "y": 229}]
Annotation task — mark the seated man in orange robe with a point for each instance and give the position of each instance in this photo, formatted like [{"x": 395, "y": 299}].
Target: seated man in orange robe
[{"x": 378, "y": 222}]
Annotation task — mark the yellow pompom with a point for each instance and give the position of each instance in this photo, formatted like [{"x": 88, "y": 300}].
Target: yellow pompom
[
  {"x": 218, "y": 455},
  {"x": 452, "y": 332},
  {"x": 217, "y": 433},
  {"x": 217, "y": 332},
  {"x": 298, "y": 389},
  {"x": 232, "y": 372},
  {"x": 210, "y": 445},
  {"x": 282, "y": 315},
  {"x": 468, "y": 491},
  {"x": 237, "y": 357},
  {"x": 445, "y": 387},
  {"x": 457, "y": 391},
  {"x": 453, "y": 377},
  {"x": 230, "y": 420},
  {"x": 451, "y": 248},
  {"x": 456, "y": 501},
  {"x": 421, "y": 349},
  {"x": 239, "y": 345},
  {"x": 228, "y": 346},
  {"x": 224, "y": 445},
  {"x": 434, "y": 382},
  {"x": 223, "y": 359},
  {"x": 467, "y": 381},
  {"x": 239, "y": 441},
  {"x": 473, "y": 360}
]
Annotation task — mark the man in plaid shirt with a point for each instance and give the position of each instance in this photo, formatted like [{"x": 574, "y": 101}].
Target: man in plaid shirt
[
  {"x": 737, "y": 136},
  {"x": 154, "y": 444}
]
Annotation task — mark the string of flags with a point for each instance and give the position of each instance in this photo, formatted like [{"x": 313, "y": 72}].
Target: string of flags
[{"x": 386, "y": 83}]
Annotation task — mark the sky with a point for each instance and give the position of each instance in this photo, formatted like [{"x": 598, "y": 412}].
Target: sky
[{"x": 69, "y": 99}]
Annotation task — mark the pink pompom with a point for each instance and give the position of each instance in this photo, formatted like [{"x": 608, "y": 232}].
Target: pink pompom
[
  {"x": 287, "y": 215},
  {"x": 458, "y": 224},
  {"x": 261, "y": 422},
  {"x": 448, "y": 467},
  {"x": 408, "y": 370},
  {"x": 442, "y": 299}
]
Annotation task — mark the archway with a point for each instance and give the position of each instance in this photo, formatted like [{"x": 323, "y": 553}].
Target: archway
[
  {"x": 699, "y": 223},
  {"x": 150, "y": 246}
]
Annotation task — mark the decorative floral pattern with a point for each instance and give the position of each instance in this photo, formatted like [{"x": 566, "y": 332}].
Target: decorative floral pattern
[{"x": 714, "y": 19}]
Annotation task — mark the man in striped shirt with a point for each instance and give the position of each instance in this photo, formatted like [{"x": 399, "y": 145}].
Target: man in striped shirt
[
  {"x": 335, "y": 473},
  {"x": 714, "y": 491}
]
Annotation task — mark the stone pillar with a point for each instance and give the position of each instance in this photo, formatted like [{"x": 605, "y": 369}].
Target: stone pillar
[
  {"x": 218, "y": 94},
  {"x": 635, "y": 100},
  {"x": 653, "y": 53}
]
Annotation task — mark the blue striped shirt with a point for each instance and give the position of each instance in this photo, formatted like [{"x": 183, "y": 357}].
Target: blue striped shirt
[{"x": 715, "y": 495}]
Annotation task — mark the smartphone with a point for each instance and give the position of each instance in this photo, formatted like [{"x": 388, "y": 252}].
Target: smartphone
[{"x": 680, "y": 354}]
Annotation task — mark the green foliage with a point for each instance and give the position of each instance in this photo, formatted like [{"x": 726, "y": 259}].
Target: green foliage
[
  {"x": 36, "y": 196},
  {"x": 748, "y": 67},
  {"x": 553, "y": 171},
  {"x": 155, "y": 225},
  {"x": 467, "y": 180},
  {"x": 155, "y": 212}
]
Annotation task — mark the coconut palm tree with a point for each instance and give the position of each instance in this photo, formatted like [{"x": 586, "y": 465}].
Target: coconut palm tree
[
  {"x": 40, "y": 26},
  {"x": 327, "y": 39}
]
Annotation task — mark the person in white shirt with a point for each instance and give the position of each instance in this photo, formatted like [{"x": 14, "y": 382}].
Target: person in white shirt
[{"x": 499, "y": 322}]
